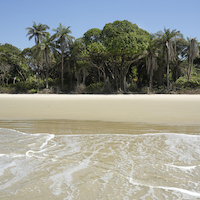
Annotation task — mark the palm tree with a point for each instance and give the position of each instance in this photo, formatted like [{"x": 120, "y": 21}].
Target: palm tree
[
  {"x": 62, "y": 33},
  {"x": 45, "y": 50},
  {"x": 37, "y": 31},
  {"x": 150, "y": 55},
  {"x": 167, "y": 40},
  {"x": 192, "y": 52}
]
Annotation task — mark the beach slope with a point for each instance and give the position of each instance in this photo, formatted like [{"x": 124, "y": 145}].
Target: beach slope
[{"x": 167, "y": 109}]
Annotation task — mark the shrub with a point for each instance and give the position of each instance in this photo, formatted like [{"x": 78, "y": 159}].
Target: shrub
[
  {"x": 183, "y": 82},
  {"x": 5, "y": 90},
  {"x": 25, "y": 87},
  {"x": 95, "y": 87},
  {"x": 32, "y": 91},
  {"x": 132, "y": 87}
]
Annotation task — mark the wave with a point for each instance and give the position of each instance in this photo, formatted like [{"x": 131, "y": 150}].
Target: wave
[{"x": 166, "y": 163}]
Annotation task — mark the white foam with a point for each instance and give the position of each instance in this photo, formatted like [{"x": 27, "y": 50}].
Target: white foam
[
  {"x": 191, "y": 193},
  {"x": 116, "y": 157},
  {"x": 36, "y": 154},
  {"x": 50, "y": 136},
  {"x": 13, "y": 130},
  {"x": 182, "y": 167},
  {"x": 106, "y": 178},
  {"x": 132, "y": 135},
  {"x": 14, "y": 155},
  {"x": 6, "y": 166},
  {"x": 66, "y": 176}
]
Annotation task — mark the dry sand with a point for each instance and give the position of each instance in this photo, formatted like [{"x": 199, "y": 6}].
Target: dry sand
[{"x": 167, "y": 109}]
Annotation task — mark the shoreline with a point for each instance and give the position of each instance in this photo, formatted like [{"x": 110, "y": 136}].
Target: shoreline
[{"x": 153, "y": 109}]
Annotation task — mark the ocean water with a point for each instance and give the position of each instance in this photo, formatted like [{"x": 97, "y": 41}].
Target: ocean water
[{"x": 98, "y": 160}]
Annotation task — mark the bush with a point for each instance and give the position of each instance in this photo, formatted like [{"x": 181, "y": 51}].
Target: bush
[
  {"x": 132, "y": 87},
  {"x": 6, "y": 90},
  {"x": 183, "y": 82},
  {"x": 21, "y": 87},
  {"x": 95, "y": 88},
  {"x": 25, "y": 87},
  {"x": 32, "y": 91}
]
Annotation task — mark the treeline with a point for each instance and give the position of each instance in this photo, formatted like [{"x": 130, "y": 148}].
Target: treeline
[{"x": 121, "y": 58}]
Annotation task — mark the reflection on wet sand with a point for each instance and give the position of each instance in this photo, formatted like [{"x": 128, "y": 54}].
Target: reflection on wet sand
[{"x": 62, "y": 127}]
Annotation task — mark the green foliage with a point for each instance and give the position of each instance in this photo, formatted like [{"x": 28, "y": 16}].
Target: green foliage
[
  {"x": 32, "y": 91},
  {"x": 132, "y": 87},
  {"x": 11, "y": 56},
  {"x": 22, "y": 87},
  {"x": 30, "y": 86},
  {"x": 37, "y": 31},
  {"x": 95, "y": 88},
  {"x": 92, "y": 35},
  {"x": 97, "y": 47},
  {"x": 123, "y": 41},
  {"x": 134, "y": 74},
  {"x": 124, "y": 37},
  {"x": 63, "y": 37},
  {"x": 183, "y": 82},
  {"x": 120, "y": 57},
  {"x": 6, "y": 90}
]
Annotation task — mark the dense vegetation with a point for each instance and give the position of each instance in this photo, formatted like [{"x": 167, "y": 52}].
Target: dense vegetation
[{"x": 121, "y": 58}]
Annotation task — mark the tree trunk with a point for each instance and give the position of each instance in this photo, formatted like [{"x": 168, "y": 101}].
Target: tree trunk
[
  {"x": 84, "y": 75},
  {"x": 21, "y": 74},
  {"x": 62, "y": 72},
  {"x": 150, "y": 79},
  {"x": 14, "y": 80},
  {"x": 99, "y": 75},
  {"x": 3, "y": 80},
  {"x": 70, "y": 75},
  {"x": 104, "y": 77},
  {"x": 124, "y": 83},
  {"x": 47, "y": 76},
  {"x": 190, "y": 66},
  {"x": 77, "y": 75},
  {"x": 167, "y": 66},
  {"x": 38, "y": 78}
]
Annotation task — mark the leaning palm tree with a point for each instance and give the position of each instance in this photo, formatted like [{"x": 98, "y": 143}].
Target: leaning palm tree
[
  {"x": 167, "y": 40},
  {"x": 62, "y": 34},
  {"x": 45, "y": 50},
  {"x": 37, "y": 31}
]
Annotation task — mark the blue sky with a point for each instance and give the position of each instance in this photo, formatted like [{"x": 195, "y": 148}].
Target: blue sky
[{"x": 82, "y": 15}]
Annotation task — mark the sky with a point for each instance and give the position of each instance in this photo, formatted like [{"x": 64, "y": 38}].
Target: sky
[{"x": 82, "y": 15}]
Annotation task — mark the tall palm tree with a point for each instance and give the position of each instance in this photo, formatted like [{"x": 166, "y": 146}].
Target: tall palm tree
[
  {"x": 192, "y": 52},
  {"x": 167, "y": 40},
  {"x": 45, "y": 50},
  {"x": 37, "y": 31},
  {"x": 151, "y": 55},
  {"x": 62, "y": 34}
]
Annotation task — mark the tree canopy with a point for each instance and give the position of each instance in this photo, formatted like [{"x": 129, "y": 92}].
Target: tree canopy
[{"x": 119, "y": 58}]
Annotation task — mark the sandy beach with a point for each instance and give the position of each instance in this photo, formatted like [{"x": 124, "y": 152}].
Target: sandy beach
[
  {"x": 166, "y": 109},
  {"x": 99, "y": 146}
]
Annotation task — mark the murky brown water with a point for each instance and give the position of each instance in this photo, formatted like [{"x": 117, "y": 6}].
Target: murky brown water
[{"x": 98, "y": 160}]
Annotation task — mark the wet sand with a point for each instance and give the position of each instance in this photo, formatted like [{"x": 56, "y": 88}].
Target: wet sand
[{"x": 156, "y": 109}]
